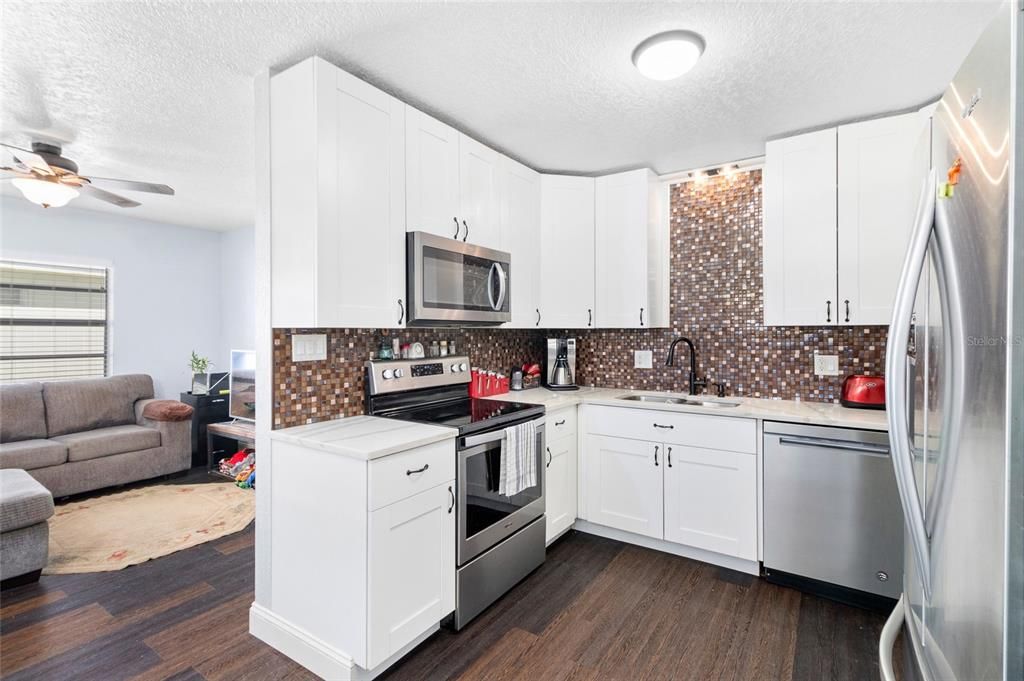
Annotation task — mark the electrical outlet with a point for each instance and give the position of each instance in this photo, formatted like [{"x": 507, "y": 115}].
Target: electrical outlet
[
  {"x": 642, "y": 359},
  {"x": 826, "y": 365},
  {"x": 309, "y": 347}
]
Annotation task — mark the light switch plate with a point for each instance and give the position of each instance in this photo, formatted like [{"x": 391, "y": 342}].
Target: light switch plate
[
  {"x": 642, "y": 359},
  {"x": 826, "y": 365},
  {"x": 309, "y": 347}
]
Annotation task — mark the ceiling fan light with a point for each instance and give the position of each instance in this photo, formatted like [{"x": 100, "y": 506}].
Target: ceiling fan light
[
  {"x": 668, "y": 55},
  {"x": 46, "y": 193}
]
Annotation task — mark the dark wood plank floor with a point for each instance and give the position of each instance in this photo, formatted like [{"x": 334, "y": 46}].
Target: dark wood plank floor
[{"x": 597, "y": 609}]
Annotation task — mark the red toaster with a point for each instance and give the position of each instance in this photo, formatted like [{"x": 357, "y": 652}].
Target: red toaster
[{"x": 863, "y": 392}]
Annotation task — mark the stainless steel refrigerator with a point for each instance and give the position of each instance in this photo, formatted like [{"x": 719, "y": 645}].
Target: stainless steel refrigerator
[{"x": 955, "y": 381}]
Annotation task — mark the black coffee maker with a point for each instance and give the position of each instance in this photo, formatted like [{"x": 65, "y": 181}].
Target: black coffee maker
[{"x": 560, "y": 364}]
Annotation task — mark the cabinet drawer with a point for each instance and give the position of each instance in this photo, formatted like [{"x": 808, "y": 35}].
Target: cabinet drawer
[
  {"x": 561, "y": 423},
  {"x": 694, "y": 430},
  {"x": 396, "y": 477}
]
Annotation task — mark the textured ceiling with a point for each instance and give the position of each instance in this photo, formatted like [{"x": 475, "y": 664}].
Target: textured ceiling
[{"x": 162, "y": 91}]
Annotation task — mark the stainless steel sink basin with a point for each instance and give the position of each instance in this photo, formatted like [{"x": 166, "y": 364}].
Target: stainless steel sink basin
[
  {"x": 653, "y": 398},
  {"x": 692, "y": 401}
]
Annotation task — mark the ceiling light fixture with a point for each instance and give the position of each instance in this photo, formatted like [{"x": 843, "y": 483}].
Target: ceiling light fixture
[
  {"x": 47, "y": 193},
  {"x": 668, "y": 55}
]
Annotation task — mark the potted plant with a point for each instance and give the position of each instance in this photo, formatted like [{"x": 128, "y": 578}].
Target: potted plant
[{"x": 200, "y": 374}]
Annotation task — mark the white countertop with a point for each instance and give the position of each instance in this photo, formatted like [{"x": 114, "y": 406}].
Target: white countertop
[
  {"x": 790, "y": 411},
  {"x": 364, "y": 437}
]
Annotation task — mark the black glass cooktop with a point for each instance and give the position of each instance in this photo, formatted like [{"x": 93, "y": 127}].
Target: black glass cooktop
[{"x": 471, "y": 415}]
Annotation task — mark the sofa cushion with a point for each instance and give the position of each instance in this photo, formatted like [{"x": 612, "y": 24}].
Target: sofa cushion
[
  {"x": 22, "y": 415},
  {"x": 93, "y": 444},
  {"x": 87, "y": 404},
  {"x": 31, "y": 454},
  {"x": 23, "y": 501}
]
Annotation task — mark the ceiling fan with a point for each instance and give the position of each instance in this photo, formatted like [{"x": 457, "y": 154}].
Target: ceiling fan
[{"x": 50, "y": 180}]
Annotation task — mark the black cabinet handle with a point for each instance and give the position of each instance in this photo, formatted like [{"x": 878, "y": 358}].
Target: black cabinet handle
[
  {"x": 418, "y": 470},
  {"x": 560, "y": 423},
  {"x": 401, "y": 311},
  {"x": 456, "y": 220},
  {"x": 590, "y": 317},
  {"x": 548, "y": 464},
  {"x": 641, "y": 316},
  {"x": 655, "y": 455},
  {"x": 669, "y": 451},
  {"x": 467, "y": 230},
  {"x": 453, "y": 498},
  {"x": 847, "y": 309},
  {"x": 828, "y": 310},
  {"x": 538, "y": 316},
  {"x": 658, "y": 425}
]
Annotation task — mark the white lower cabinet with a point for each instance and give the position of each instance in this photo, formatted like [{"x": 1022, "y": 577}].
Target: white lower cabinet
[
  {"x": 623, "y": 484},
  {"x": 681, "y": 491},
  {"x": 711, "y": 500},
  {"x": 405, "y": 602},
  {"x": 561, "y": 476}
]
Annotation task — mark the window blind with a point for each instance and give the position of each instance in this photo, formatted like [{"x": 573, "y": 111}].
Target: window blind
[{"x": 53, "y": 321}]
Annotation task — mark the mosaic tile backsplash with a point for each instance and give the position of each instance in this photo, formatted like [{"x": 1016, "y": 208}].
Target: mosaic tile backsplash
[{"x": 716, "y": 301}]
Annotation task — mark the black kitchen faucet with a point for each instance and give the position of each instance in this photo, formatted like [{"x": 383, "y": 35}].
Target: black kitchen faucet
[{"x": 694, "y": 382}]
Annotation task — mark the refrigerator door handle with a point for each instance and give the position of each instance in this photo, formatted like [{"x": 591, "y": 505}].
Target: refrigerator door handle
[
  {"x": 896, "y": 373},
  {"x": 887, "y": 641}
]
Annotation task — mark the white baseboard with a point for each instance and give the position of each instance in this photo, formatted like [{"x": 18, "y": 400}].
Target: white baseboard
[
  {"x": 750, "y": 567},
  {"x": 318, "y": 657}
]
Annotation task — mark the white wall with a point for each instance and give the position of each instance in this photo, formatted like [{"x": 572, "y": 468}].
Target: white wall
[
  {"x": 167, "y": 289},
  {"x": 238, "y": 292}
]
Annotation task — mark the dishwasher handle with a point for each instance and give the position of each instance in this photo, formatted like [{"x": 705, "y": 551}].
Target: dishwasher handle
[{"x": 860, "y": 447}]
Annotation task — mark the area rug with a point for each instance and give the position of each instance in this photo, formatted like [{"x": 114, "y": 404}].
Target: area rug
[{"x": 114, "y": 531}]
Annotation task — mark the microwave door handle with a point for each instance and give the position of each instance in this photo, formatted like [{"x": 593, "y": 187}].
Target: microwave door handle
[
  {"x": 896, "y": 375},
  {"x": 502, "y": 286},
  {"x": 490, "y": 287}
]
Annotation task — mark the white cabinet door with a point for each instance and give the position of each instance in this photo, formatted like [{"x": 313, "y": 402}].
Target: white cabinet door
[
  {"x": 432, "y": 175},
  {"x": 800, "y": 230},
  {"x": 711, "y": 500},
  {"x": 362, "y": 221},
  {"x": 560, "y": 494},
  {"x": 520, "y": 229},
  {"x": 623, "y": 211},
  {"x": 411, "y": 569},
  {"x": 479, "y": 193},
  {"x": 882, "y": 164},
  {"x": 567, "y": 252},
  {"x": 623, "y": 484}
]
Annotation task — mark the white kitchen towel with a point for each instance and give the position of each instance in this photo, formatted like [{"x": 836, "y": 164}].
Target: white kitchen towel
[{"x": 518, "y": 459}]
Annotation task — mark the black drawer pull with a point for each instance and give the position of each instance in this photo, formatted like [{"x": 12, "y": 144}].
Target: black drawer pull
[
  {"x": 658, "y": 425},
  {"x": 419, "y": 470},
  {"x": 560, "y": 423}
]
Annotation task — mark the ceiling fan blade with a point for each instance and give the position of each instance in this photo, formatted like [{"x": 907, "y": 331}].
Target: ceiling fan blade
[
  {"x": 131, "y": 185},
  {"x": 102, "y": 195},
  {"x": 14, "y": 172},
  {"x": 30, "y": 159}
]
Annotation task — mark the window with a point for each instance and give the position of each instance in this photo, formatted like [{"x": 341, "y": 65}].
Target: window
[{"x": 53, "y": 321}]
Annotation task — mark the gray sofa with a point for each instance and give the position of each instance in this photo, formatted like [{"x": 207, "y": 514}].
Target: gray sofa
[
  {"x": 82, "y": 435},
  {"x": 25, "y": 507}
]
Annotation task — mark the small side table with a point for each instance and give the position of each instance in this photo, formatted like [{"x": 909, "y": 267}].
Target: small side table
[
  {"x": 207, "y": 409},
  {"x": 218, "y": 435}
]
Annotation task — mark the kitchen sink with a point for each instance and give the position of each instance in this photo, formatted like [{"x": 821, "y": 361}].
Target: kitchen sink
[{"x": 692, "y": 401}]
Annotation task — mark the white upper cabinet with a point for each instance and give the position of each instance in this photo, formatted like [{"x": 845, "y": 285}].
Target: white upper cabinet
[
  {"x": 839, "y": 205},
  {"x": 882, "y": 165},
  {"x": 628, "y": 269},
  {"x": 337, "y": 200},
  {"x": 800, "y": 230},
  {"x": 453, "y": 183},
  {"x": 520, "y": 227},
  {"x": 479, "y": 193},
  {"x": 567, "y": 252},
  {"x": 432, "y": 175}
]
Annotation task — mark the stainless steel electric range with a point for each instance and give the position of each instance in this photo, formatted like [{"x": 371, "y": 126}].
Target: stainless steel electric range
[{"x": 500, "y": 538}]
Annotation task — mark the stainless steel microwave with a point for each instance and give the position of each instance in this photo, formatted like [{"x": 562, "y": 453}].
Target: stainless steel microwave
[{"x": 453, "y": 283}]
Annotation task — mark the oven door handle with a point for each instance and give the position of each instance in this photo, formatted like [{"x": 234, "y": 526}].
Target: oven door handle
[{"x": 494, "y": 436}]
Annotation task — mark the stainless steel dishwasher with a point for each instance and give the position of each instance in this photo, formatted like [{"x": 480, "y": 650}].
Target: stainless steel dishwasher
[{"x": 832, "y": 517}]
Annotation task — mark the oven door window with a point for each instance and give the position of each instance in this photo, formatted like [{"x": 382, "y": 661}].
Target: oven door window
[{"x": 485, "y": 507}]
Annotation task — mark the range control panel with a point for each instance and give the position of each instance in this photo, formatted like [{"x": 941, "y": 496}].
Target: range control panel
[{"x": 389, "y": 376}]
